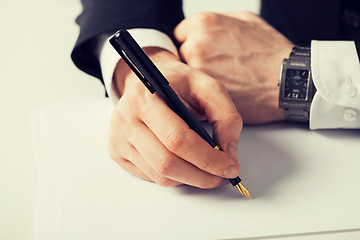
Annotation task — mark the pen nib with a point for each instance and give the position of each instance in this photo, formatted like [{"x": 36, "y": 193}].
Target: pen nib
[{"x": 242, "y": 189}]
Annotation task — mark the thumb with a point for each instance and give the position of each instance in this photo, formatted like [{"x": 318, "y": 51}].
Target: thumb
[
  {"x": 214, "y": 101},
  {"x": 226, "y": 133}
]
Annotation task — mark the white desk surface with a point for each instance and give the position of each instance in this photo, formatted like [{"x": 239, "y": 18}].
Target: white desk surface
[{"x": 35, "y": 67}]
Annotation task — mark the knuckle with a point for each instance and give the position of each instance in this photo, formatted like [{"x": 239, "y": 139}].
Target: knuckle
[
  {"x": 176, "y": 72},
  {"x": 164, "y": 181},
  {"x": 196, "y": 63},
  {"x": 164, "y": 166},
  {"x": 218, "y": 86},
  {"x": 197, "y": 47},
  {"x": 253, "y": 16},
  {"x": 205, "y": 19},
  {"x": 214, "y": 85},
  {"x": 135, "y": 92},
  {"x": 185, "y": 51},
  {"x": 117, "y": 157},
  {"x": 127, "y": 109},
  {"x": 232, "y": 119},
  {"x": 115, "y": 151},
  {"x": 174, "y": 140},
  {"x": 193, "y": 51},
  {"x": 209, "y": 164},
  {"x": 248, "y": 13},
  {"x": 134, "y": 103}
]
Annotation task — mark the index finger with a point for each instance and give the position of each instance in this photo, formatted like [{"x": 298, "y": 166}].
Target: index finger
[{"x": 179, "y": 139}]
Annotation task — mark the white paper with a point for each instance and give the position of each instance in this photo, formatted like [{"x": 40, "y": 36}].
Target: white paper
[{"x": 301, "y": 182}]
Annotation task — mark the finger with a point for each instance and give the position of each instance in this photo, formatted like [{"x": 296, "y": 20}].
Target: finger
[
  {"x": 179, "y": 139},
  {"x": 219, "y": 109},
  {"x": 132, "y": 169},
  {"x": 121, "y": 147},
  {"x": 191, "y": 106},
  {"x": 194, "y": 110},
  {"x": 169, "y": 167},
  {"x": 143, "y": 165},
  {"x": 121, "y": 153},
  {"x": 181, "y": 30},
  {"x": 127, "y": 155}
]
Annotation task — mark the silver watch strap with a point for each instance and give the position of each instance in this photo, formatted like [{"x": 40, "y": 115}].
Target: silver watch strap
[
  {"x": 298, "y": 112},
  {"x": 300, "y": 52}
]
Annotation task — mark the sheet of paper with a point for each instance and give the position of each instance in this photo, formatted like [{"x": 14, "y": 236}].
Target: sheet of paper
[
  {"x": 46, "y": 145},
  {"x": 301, "y": 182}
]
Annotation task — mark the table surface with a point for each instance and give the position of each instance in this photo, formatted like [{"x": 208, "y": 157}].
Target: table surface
[{"x": 36, "y": 69}]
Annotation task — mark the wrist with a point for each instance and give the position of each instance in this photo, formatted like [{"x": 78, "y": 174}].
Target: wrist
[
  {"x": 284, "y": 53},
  {"x": 275, "y": 113}
]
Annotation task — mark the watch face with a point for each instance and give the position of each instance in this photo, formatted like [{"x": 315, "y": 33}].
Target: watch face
[{"x": 296, "y": 84}]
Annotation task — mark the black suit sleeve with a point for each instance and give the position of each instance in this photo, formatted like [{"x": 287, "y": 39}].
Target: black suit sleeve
[
  {"x": 107, "y": 16},
  {"x": 304, "y": 20}
]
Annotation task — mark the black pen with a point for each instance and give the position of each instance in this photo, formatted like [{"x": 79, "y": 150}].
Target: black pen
[{"x": 152, "y": 78}]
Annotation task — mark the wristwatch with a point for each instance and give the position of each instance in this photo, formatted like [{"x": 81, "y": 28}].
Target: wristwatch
[{"x": 296, "y": 86}]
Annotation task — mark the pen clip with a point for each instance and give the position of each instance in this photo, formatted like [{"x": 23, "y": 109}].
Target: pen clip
[{"x": 136, "y": 71}]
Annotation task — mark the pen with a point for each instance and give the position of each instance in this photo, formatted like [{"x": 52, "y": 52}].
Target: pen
[{"x": 152, "y": 78}]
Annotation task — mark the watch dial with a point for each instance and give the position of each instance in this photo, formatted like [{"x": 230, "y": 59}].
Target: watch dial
[{"x": 296, "y": 84}]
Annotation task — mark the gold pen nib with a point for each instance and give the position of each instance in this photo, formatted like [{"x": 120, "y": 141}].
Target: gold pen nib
[{"x": 242, "y": 189}]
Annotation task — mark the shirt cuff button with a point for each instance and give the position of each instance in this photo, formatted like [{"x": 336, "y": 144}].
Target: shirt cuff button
[
  {"x": 350, "y": 115},
  {"x": 348, "y": 89}
]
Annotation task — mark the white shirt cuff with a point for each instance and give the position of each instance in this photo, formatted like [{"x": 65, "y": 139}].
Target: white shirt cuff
[
  {"x": 336, "y": 74},
  {"x": 109, "y": 57}
]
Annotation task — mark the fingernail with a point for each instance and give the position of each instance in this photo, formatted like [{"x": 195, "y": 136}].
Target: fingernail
[
  {"x": 232, "y": 149},
  {"x": 231, "y": 172}
]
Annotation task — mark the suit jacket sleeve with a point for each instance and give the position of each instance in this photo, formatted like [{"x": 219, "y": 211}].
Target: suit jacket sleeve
[{"x": 101, "y": 17}]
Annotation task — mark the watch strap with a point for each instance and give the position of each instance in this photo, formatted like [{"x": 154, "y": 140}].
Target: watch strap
[
  {"x": 296, "y": 113},
  {"x": 300, "y": 52}
]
